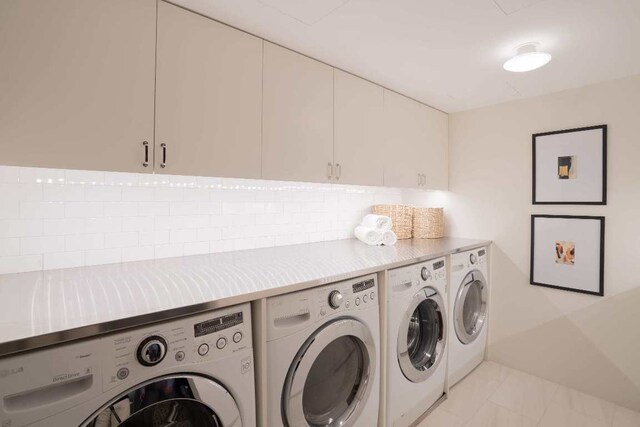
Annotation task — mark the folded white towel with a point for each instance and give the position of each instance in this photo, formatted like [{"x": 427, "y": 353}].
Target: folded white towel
[
  {"x": 389, "y": 238},
  {"x": 377, "y": 222},
  {"x": 368, "y": 235}
]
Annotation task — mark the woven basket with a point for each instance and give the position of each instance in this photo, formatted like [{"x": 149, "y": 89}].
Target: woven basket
[
  {"x": 401, "y": 216},
  {"x": 428, "y": 223}
]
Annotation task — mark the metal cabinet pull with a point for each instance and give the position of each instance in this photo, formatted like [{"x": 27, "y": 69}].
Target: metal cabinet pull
[
  {"x": 338, "y": 170},
  {"x": 145, "y": 144},
  {"x": 329, "y": 170},
  {"x": 164, "y": 155}
]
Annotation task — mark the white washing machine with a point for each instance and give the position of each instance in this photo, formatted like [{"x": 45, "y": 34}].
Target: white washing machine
[
  {"x": 195, "y": 371},
  {"x": 417, "y": 306},
  {"x": 469, "y": 302},
  {"x": 323, "y": 356}
]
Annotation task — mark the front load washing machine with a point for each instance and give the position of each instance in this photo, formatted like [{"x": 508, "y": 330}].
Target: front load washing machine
[
  {"x": 469, "y": 299},
  {"x": 417, "y": 337},
  {"x": 195, "y": 371},
  {"x": 323, "y": 356}
]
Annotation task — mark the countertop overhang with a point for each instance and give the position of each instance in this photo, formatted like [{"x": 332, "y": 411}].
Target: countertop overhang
[{"x": 45, "y": 308}]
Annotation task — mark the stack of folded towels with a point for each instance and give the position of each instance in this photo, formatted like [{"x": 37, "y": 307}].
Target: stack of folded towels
[{"x": 376, "y": 230}]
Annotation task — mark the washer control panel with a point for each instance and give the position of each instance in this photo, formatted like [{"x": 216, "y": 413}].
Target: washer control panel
[
  {"x": 288, "y": 313},
  {"x": 191, "y": 340},
  {"x": 417, "y": 275}
]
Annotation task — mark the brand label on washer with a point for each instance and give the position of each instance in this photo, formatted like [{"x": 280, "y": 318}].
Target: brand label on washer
[{"x": 245, "y": 365}]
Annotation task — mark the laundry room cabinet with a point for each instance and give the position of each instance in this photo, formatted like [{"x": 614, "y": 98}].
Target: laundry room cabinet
[
  {"x": 416, "y": 141},
  {"x": 358, "y": 144},
  {"x": 297, "y": 108},
  {"x": 77, "y": 83},
  {"x": 208, "y": 97}
]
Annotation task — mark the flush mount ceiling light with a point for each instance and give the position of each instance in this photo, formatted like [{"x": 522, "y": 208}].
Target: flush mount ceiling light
[{"x": 528, "y": 58}]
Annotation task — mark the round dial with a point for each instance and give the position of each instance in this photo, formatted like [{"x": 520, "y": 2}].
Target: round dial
[
  {"x": 473, "y": 258},
  {"x": 152, "y": 350},
  {"x": 425, "y": 273},
  {"x": 335, "y": 299}
]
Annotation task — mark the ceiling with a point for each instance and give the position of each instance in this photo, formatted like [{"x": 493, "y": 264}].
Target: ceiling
[{"x": 449, "y": 53}]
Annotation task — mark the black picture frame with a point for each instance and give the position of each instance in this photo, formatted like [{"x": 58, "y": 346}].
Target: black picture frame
[
  {"x": 603, "y": 201},
  {"x": 600, "y": 292}
]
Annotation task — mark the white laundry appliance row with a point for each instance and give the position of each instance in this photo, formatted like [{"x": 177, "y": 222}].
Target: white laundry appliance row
[{"x": 323, "y": 358}]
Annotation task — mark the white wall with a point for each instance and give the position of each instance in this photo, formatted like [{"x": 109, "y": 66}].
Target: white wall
[
  {"x": 586, "y": 342},
  {"x": 52, "y": 218}
]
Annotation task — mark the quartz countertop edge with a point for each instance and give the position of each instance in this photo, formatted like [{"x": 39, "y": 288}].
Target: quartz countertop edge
[{"x": 45, "y": 308}]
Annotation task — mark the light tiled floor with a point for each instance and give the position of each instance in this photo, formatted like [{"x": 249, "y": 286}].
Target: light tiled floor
[{"x": 496, "y": 396}]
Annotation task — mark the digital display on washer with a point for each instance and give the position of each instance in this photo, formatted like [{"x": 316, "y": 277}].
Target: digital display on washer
[
  {"x": 481, "y": 252},
  {"x": 439, "y": 264},
  {"x": 363, "y": 286},
  {"x": 219, "y": 323}
]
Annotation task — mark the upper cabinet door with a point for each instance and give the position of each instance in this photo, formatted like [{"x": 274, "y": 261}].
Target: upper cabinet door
[
  {"x": 77, "y": 83},
  {"x": 297, "y": 117},
  {"x": 209, "y": 97},
  {"x": 358, "y": 130},
  {"x": 436, "y": 165},
  {"x": 405, "y": 141}
]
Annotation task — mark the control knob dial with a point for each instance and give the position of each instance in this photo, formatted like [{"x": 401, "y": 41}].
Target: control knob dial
[
  {"x": 335, "y": 299},
  {"x": 152, "y": 350},
  {"x": 425, "y": 273}
]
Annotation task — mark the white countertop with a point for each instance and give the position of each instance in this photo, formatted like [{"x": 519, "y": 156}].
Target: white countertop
[{"x": 47, "y": 307}]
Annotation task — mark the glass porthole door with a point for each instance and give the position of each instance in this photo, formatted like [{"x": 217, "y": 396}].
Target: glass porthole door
[
  {"x": 422, "y": 335},
  {"x": 470, "y": 310},
  {"x": 329, "y": 379},
  {"x": 175, "y": 401}
]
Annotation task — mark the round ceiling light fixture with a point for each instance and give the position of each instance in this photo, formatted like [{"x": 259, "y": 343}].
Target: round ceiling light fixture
[{"x": 527, "y": 59}]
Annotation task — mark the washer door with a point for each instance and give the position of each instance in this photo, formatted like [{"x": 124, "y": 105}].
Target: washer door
[
  {"x": 421, "y": 337},
  {"x": 470, "y": 310},
  {"x": 175, "y": 400},
  {"x": 329, "y": 380}
]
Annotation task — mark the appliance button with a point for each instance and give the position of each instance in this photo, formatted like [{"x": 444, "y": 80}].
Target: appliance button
[
  {"x": 180, "y": 356},
  {"x": 357, "y": 300},
  {"x": 365, "y": 298},
  {"x": 372, "y": 295},
  {"x": 425, "y": 273},
  {"x": 122, "y": 373},
  {"x": 221, "y": 343},
  {"x": 203, "y": 349},
  {"x": 347, "y": 304},
  {"x": 237, "y": 337}
]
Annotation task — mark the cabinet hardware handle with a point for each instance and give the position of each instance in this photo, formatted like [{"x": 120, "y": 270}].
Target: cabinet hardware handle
[
  {"x": 164, "y": 155},
  {"x": 419, "y": 180},
  {"x": 338, "y": 170},
  {"x": 329, "y": 170},
  {"x": 145, "y": 144},
  {"x": 422, "y": 177}
]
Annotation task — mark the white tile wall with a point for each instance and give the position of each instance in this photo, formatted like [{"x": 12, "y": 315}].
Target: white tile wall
[{"x": 52, "y": 218}]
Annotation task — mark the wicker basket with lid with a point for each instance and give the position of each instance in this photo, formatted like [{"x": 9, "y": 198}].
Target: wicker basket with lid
[{"x": 428, "y": 223}]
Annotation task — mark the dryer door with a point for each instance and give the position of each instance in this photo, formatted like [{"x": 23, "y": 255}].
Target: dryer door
[
  {"x": 422, "y": 335},
  {"x": 329, "y": 380},
  {"x": 174, "y": 400},
  {"x": 470, "y": 309}
]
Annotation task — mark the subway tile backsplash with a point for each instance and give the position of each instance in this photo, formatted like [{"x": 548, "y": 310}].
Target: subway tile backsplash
[{"x": 53, "y": 218}]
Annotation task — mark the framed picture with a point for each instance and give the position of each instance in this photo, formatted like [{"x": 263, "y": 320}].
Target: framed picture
[
  {"x": 567, "y": 252},
  {"x": 570, "y": 167}
]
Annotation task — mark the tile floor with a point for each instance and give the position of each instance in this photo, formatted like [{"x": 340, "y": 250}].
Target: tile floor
[{"x": 494, "y": 395}]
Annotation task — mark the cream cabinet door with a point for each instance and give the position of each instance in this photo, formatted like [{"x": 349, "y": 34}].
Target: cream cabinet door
[
  {"x": 297, "y": 138},
  {"x": 77, "y": 83},
  {"x": 358, "y": 130},
  {"x": 436, "y": 166},
  {"x": 208, "y": 97},
  {"x": 405, "y": 141}
]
